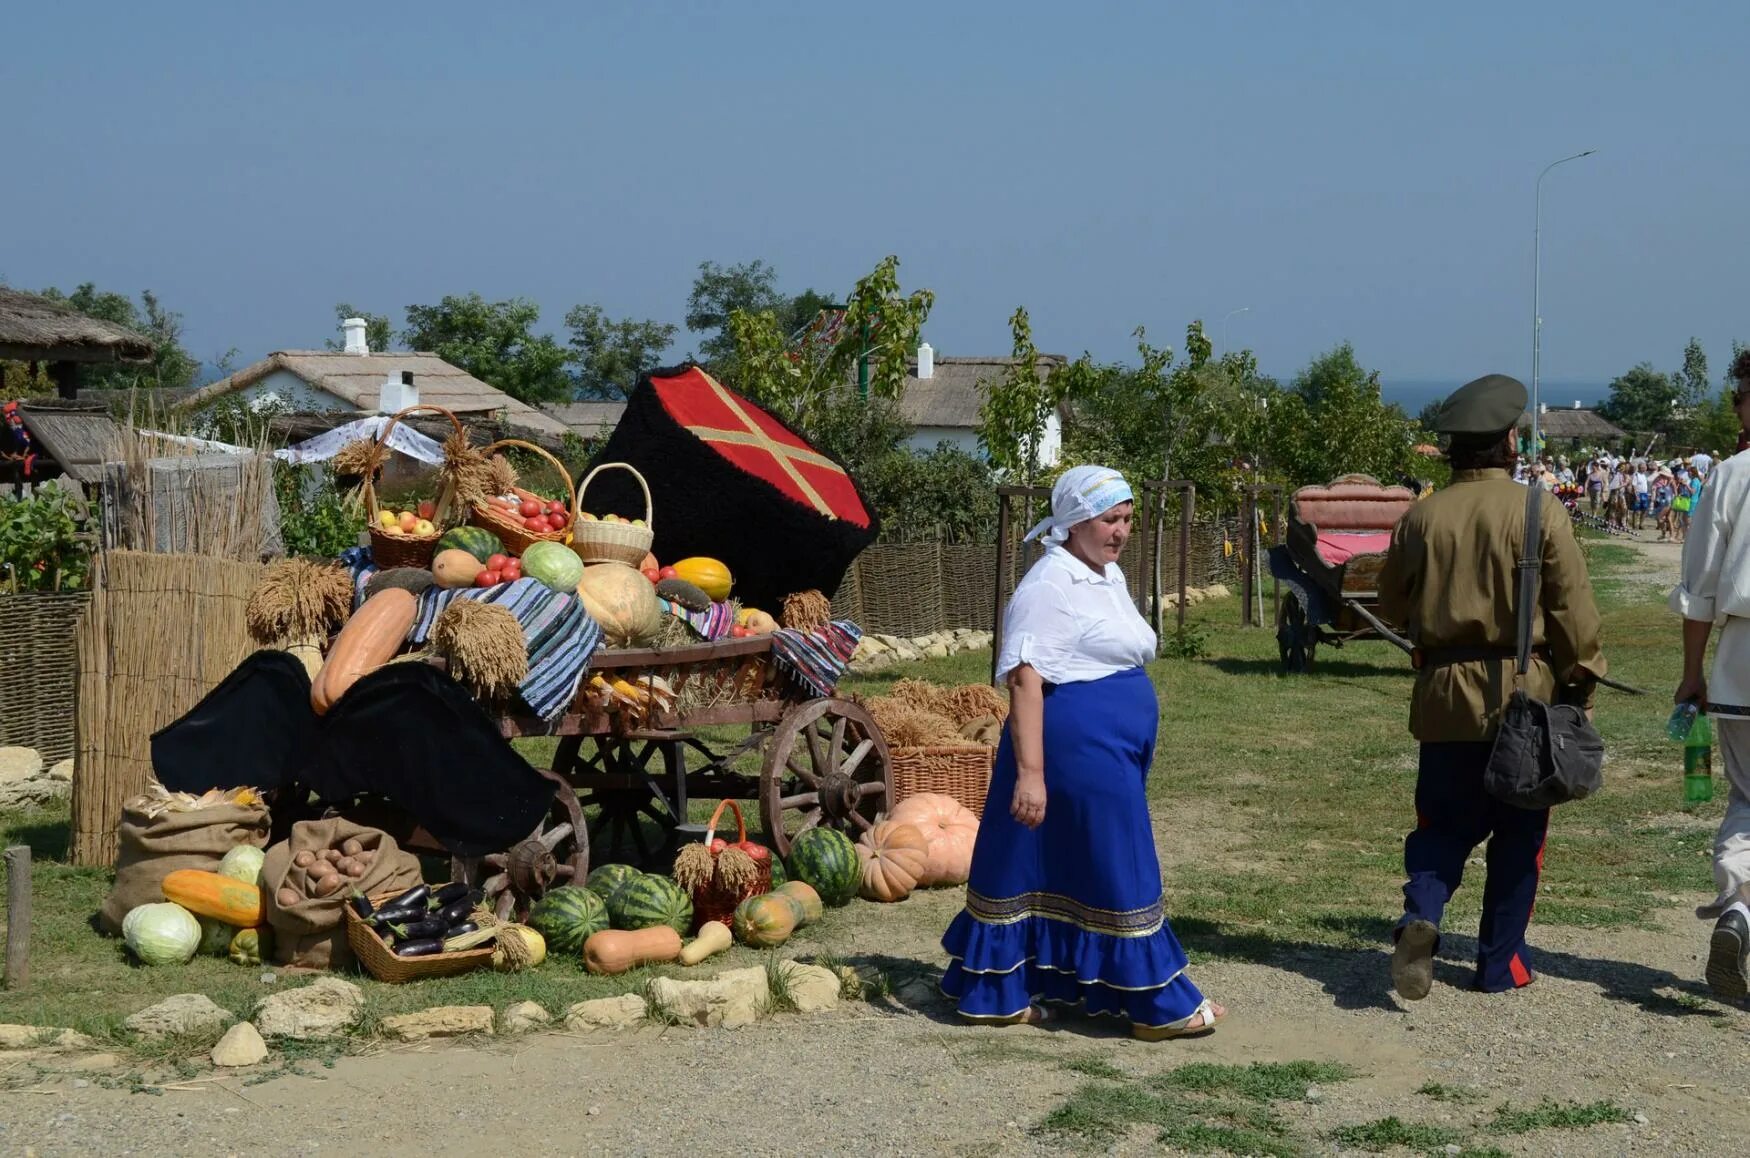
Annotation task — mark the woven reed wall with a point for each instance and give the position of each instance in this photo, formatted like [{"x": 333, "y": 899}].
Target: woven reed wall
[
  {"x": 39, "y": 670},
  {"x": 161, "y": 631}
]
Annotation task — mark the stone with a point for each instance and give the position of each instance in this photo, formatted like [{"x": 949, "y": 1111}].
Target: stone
[
  {"x": 91, "y": 1062},
  {"x": 439, "y": 1021},
  {"x": 19, "y": 764},
  {"x": 1216, "y": 591},
  {"x": 183, "y": 1013},
  {"x": 935, "y": 651},
  {"x": 620, "y": 1012},
  {"x": 241, "y": 1046},
  {"x": 524, "y": 1017},
  {"x": 907, "y": 651},
  {"x": 43, "y": 1037},
  {"x": 732, "y": 998},
  {"x": 24, "y": 783},
  {"x": 814, "y": 988},
  {"x": 63, "y": 770},
  {"x": 327, "y": 1008}
]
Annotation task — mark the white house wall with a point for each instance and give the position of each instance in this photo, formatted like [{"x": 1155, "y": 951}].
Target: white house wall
[
  {"x": 298, "y": 395},
  {"x": 927, "y": 438}
]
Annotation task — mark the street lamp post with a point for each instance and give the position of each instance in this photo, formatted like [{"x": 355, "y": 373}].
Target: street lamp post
[
  {"x": 1537, "y": 292},
  {"x": 1224, "y": 318}
]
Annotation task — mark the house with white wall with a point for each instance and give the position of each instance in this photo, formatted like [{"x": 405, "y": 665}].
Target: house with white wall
[{"x": 943, "y": 396}]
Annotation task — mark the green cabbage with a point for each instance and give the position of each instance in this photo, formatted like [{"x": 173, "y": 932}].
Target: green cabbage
[
  {"x": 215, "y": 937},
  {"x": 243, "y": 863},
  {"x": 161, "y": 934}
]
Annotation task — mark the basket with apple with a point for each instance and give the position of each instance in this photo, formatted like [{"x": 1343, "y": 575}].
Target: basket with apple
[
  {"x": 406, "y": 538},
  {"x": 522, "y": 518},
  {"x": 611, "y": 538}
]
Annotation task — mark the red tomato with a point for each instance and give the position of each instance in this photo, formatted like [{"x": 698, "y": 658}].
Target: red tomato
[
  {"x": 487, "y": 578},
  {"x": 555, "y": 507},
  {"x": 537, "y": 524},
  {"x": 738, "y": 632},
  {"x": 651, "y": 574},
  {"x": 497, "y": 562},
  {"x": 511, "y": 573},
  {"x": 557, "y": 520},
  {"x": 666, "y": 573},
  {"x": 529, "y": 508}
]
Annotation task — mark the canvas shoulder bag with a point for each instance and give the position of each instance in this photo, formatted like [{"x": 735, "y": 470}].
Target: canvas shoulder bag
[{"x": 1544, "y": 754}]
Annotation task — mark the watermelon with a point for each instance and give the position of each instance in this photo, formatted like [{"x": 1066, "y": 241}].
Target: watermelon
[
  {"x": 650, "y": 901},
  {"x": 608, "y": 880},
  {"x": 826, "y": 859},
  {"x": 554, "y": 564},
  {"x": 780, "y": 874},
  {"x": 568, "y": 915},
  {"x": 477, "y": 541}
]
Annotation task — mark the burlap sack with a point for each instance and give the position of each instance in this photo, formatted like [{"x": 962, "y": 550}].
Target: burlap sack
[
  {"x": 153, "y": 847},
  {"x": 312, "y": 933}
]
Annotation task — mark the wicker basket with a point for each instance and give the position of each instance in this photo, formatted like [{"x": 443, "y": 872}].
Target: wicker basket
[
  {"x": 398, "y": 548},
  {"x": 716, "y": 901},
  {"x": 380, "y": 961},
  {"x": 961, "y": 772},
  {"x": 616, "y": 542},
  {"x": 516, "y": 537}
]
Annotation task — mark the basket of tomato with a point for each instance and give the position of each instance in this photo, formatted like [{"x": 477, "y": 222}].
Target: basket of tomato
[{"x": 522, "y": 518}]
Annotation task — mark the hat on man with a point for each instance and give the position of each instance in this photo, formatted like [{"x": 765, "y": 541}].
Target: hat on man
[{"x": 1491, "y": 404}]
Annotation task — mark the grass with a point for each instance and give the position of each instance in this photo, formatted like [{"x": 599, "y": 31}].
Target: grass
[
  {"x": 1258, "y": 1082},
  {"x": 1458, "y": 1095},
  {"x": 1385, "y": 1133},
  {"x": 1550, "y": 1115}
]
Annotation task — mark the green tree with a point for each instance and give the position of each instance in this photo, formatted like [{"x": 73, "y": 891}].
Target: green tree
[
  {"x": 379, "y": 334},
  {"x": 172, "y": 367},
  {"x": 1693, "y": 385},
  {"x": 1643, "y": 400},
  {"x": 494, "y": 342},
  {"x": 718, "y": 292},
  {"x": 1015, "y": 410},
  {"x": 613, "y": 353},
  {"x": 1332, "y": 421}
]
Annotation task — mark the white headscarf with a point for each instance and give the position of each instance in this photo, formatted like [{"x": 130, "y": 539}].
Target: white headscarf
[{"x": 1082, "y": 493}]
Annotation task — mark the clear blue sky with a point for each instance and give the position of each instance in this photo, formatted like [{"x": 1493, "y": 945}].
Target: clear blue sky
[{"x": 1357, "y": 171}]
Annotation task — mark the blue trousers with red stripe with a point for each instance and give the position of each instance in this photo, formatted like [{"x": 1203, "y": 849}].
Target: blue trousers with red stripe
[{"x": 1453, "y": 816}]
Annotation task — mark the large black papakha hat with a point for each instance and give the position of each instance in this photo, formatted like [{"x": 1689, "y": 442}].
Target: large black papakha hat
[{"x": 1488, "y": 405}]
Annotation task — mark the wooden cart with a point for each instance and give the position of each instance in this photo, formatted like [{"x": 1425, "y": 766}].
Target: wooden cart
[{"x": 623, "y": 794}]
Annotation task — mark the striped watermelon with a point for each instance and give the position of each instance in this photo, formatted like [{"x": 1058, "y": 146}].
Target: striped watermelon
[
  {"x": 780, "y": 874},
  {"x": 477, "y": 541},
  {"x": 609, "y": 879},
  {"x": 567, "y": 916},
  {"x": 826, "y": 859},
  {"x": 650, "y": 901}
]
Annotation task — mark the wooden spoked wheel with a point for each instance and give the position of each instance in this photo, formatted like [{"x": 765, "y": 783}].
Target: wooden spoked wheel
[
  {"x": 555, "y": 854},
  {"x": 825, "y": 764},
  {"x": 634, "y": 820},
  {"x": 1296, "y": 639}
]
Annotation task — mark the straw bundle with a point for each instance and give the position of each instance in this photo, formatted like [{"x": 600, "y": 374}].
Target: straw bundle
[
  {"x": 465, "y": 472},
  {"x": 806, "y": 611},
  {"x": 485, "y": 648},
  {"x": 356, "y": 459},
  {"x": 501, "y": 475},
  {"x": 297, "y": 599},
  {"x": 905, "y": 725},
  {"x": 694, "y": 867},
  {"x": 987, "y": 731},
  {"x": 973, "y": 702}
]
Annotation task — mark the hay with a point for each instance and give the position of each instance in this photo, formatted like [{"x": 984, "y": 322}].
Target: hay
[
  {"x": 920, "y": 694},
  {"x": 466, "y": 475},
  {"x": 736, "y": 870},
  {"x": 485, "y": 648},
  {"x": 357, "y": 459},
  {"x": 806, "y": 611},
  {"x": 693, "y": 868},
  {"x": 987, "y": 732},
  {"x": 905, "y": 725},
  {"x": 501, "y": 476},
  {"x": 971, "y": 702},
  {"x": 297, "y": 599}
]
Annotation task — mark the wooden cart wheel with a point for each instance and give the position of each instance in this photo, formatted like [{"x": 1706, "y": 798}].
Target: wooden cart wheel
[
  {"x": 1296, "y": 639},
  {"x": 555, "y": 854},
  {"x": 633, "y": 821},
  {"x": 825, "y": 763}
]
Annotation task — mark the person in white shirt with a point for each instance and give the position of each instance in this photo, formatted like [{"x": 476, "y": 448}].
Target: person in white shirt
[
  {"x": 1715, "y": 588},
  {"x": 1064, "y": 904},
  {"x": 1641, "y": 484},
  {"x": 1701, "y": 462}
]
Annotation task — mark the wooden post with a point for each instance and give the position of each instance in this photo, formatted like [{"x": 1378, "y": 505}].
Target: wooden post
[
  {"x": 1248, "y": 544},
  {"x": 17, "y": 916},
  {"x": 1186, "y": 508},
  {"x": 996, "y": 621}
]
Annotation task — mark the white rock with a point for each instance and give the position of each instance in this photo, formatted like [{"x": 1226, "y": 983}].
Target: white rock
[
  {"x": 43, "y": 1037},
  {"x": 936, "y": 651},
  {"x": 439, "y": 1021},
  {"x": 524, "y": 1017},
  {"x": 327, "y": 1008},
  {"x": 182, "y": 1013},
  {"x": 907, "y": 651},
  {"x": 19, "y": 764},
  {"x": 241, "y": 1046},
  {"x": 814, "y": 987},
  {"x": 62, "y": 770},
  {"x": 733, "y": 997},
  {"x": 1216, "y": 591},
  {"x": 24, "y": 783},
  {"x": 620, "y": 1012}
]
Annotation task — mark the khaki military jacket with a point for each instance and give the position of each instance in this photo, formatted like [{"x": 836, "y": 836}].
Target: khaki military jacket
[{"x": 1449, "y": 580}]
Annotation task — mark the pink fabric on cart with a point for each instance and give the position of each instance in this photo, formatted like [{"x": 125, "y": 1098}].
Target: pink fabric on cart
[{"x": 1337, "y": 548}]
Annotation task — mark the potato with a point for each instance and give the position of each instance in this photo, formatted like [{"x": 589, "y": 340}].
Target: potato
[
  {"x": 288, "y": 897},
  {"x": 304, "y": 859},
  {"x": 351, "y": 846},
  {"x": 322, "y": 870},
  {"x": 366, "y": 857},
  {"x": 331, "y": 855},
  {"x": 349, "y": 866},
  {"x": 330, "y": 885}
]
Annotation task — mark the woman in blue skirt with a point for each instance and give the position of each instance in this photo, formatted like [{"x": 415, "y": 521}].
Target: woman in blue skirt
[{"x": 1064, "y": 902}]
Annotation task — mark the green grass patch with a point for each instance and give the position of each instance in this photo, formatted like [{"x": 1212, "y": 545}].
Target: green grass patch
[
  {"x": 1384, "y": 1133},
  {"x": 1260, "y": 1081},
  {"x": 1551, "y": 1115},
  {"x": 1458, "y": 1095}
]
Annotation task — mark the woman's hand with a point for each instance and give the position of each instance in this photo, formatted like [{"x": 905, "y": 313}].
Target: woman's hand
[{"x": 1028, "y": 806}]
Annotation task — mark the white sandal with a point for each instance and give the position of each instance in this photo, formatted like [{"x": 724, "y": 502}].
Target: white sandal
[{"x": 1201, "y": 1021}]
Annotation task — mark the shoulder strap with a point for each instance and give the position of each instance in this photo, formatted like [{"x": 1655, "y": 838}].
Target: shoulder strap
[{"x": 1530, "y": 561}]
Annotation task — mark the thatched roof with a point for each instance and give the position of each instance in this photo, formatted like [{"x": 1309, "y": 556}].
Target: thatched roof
[
  {"x": 952, "y": 395},
  {"x": 357, "y": 380},
  {"x": 80, "y": 437},
  {"x": 36, "y": 329},
  {"x": 1582, "y": 424},
  {"x": 587, "y": 419}
]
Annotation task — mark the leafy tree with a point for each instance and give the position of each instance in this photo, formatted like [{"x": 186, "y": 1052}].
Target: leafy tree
[
  {"x": 1693, "y": 386},
  {"x": 379, "y": 334},
  {"x": 1643, "y": 400},
  {"x": 1713, "y": 424},
  {"x": 171, "y": 367},
  {"x": 493, "y": 341},
  {"x": 1014, "y": 413},
  {"x": 749, "y": 288},
  {"x": 612, "y": 353},
  {"x": 1332, "y": 421}
]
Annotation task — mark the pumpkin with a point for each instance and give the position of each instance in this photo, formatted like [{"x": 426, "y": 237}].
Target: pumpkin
[
  {"x": 805, "y": 897},
  {"x": 623, "y": 602},
  {"x": 765, "y": 921},
  {"x": 504, "y": 962},
  {"x": 708, "y": 575},
  {"x": 369, "y": 640},
  {"x": 251, "y": 946},
  {"x": 893, "y": 857},
  {"x": 949, "y": 827},
  {"x": 456, "y": 568},
  {"x": 759, "y": 623},
  {"x": 226, "y": 899},
  {"x": 713, "y": 938},
  {"x": 615, "y": 951}
]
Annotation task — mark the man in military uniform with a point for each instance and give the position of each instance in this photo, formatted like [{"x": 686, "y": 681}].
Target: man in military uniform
[{"x": 1450, "y": 580}]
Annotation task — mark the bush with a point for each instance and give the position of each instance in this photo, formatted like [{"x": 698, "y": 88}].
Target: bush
[
  {"x": 315, "y": 518},
  {"x": 45, "y": 542}
]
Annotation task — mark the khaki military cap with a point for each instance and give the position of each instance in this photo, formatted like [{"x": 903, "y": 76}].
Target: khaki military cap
[{"x": 1491, "y": 404}]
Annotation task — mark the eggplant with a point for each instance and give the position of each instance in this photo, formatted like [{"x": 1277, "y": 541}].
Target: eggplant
[
  {"x": 449, "y": 894},
  {"x": 361, "y": 904},
  {"x": 419, "y": 930},
  {"x": 427, "y": 947},
  {"x": 457, "y": 910},
  {"x": 459, "y": 930},
  {"x": 413, "y": 898}
]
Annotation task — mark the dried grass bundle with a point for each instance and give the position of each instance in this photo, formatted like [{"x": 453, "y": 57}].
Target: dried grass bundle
[
  {"x": 806, "y": 611},
  {"x": 297, "y": 599},
  {"x": 736, "y": 870},
  {"x": 921, "y": 694},
  {"x": 357, "y": 459},
  {"x": 485, "y": 648},
  {"x": 465, "y": 472},
  {"x": 501, "y": 475},
  {"x": 905, "y": 725},
  {"x": 970, "y": 702},
  {"x": 987, "y": 732},
  {"x": 693, "y": 868}
]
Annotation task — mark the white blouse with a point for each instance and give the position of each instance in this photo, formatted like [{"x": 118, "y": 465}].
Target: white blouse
[
  {"x": 1071, "y": 625},
  {"x": 1716, "y": 580}
]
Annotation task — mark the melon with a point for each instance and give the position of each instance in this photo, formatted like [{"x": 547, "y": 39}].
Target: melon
[
  {"x": 622, "y": 601},
  {"x": 765, "y": 921},
  {"x": 826, "y": 859},
  {"x": 650, "y": 901},
  {"x": 807, "y": 900},
  {"x": 708, "y": 575},
  {"x": 567, "y": 916},
  {"x": 454, "y": 567},
  {"x": 477, "y": 541},
  {"x": 555, "y": 565}
]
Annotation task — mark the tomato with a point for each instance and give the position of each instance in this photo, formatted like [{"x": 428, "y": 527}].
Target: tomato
[
  {"x": 738, "y": 632},
  {"x": 529, "y": 508},
  {"x": 555, "y": 507},
  {"x": 512, "y": 572},
  {"x": 487, "y": 578},
  {"x": 557, "y": 520},
  {"x": 652, "y": 574},
  {"x": 537, "y": 524},
  {"x": 667, "y": 573},
  {"x": 497, "y": 562}
]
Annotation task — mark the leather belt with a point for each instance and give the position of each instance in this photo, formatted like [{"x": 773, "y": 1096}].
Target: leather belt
[{"x": 1421, "y": 657}]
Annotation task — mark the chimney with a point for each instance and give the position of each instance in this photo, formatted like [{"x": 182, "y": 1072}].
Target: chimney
[
  {"x": 926, "y": 362},
  {"x": 1543, "y": 408},
  {"x": 1577, "y": 405},
  {"x": 354, "y": 329},
  {"x": 397, "y": 393}
]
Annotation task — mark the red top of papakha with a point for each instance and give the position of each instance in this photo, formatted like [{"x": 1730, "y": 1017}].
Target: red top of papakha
[{"x": 758, "y": 444}]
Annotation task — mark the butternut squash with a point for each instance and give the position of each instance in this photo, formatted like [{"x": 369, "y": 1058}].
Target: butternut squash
[
  {"x": 224, "y": 899},
  {"x": 616, "y": 951},
  {"x": 713, "y": 938},
  {"x": 369, "y": 640}
]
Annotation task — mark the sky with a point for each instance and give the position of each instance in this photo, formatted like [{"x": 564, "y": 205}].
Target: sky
[{"x": 1338, "y": 170}]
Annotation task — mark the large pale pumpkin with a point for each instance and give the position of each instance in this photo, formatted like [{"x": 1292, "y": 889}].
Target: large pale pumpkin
[
  {"x": 622, "y": 600},
  {"x": 893, "y": 857},
  {"x": 949, "y": 827}
]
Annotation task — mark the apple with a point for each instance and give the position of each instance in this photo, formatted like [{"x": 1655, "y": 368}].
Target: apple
[
  {"x": 637, "y": 522},
  {"x": 586, "y": 516},
  {"x": 424, "y": 527},
  {"x": 427, "y": 509},
  {"x": 738, "y": 632},
  {"x": 487, "y": 578},
  {"x": 388, "y": 520},
  {"x": 407, "y": 522}
]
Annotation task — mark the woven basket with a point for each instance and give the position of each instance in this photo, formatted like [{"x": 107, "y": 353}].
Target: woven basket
[
  {"x": 380, "y": 961},
  {"x": 716, "y": 901},
  {"x": 398, "y": 548},
  {"x": 963, "y": 773},
  {"x": 516, "y": 537},
  {"x": 616, "y": 542}
]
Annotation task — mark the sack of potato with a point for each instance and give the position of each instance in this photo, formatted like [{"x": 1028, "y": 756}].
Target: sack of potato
[{"x": 308, "y": 877}]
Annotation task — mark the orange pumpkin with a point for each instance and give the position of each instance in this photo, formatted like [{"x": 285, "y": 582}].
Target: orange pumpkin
[
  {"x": 949, "y": 827},
  {"x": 893, "y": 858},
  {"x": 369, "y": 640}
]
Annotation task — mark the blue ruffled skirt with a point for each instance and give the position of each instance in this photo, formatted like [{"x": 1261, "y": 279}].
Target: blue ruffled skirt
[{"x": 1070, "y": 912}]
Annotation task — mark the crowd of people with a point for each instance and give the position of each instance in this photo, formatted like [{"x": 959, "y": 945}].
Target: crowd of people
[{"x": 1622, "y": 494}]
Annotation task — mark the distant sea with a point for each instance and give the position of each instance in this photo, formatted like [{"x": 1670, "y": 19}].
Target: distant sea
[{"x": 1412, "y": 395}]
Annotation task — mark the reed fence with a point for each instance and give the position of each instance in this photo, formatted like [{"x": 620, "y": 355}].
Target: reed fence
[{"x": 39, "y": 670}]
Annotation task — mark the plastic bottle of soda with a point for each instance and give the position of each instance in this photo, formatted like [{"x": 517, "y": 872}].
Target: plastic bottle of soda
[{"x": 1698, "y": 762}]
